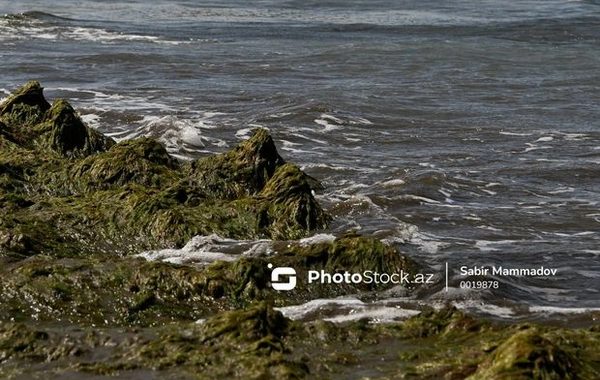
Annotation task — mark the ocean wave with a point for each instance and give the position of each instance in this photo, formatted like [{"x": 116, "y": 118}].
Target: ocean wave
[{"x": 46, "y": 26}]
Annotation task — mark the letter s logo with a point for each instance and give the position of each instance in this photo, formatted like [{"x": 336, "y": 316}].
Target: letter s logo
[{"x": 279, "y": 272}]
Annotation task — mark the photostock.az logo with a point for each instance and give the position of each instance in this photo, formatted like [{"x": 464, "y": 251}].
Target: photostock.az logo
[{"x": 283, "y": 278}]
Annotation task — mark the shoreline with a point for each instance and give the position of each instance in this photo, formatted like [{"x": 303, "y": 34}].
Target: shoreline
[{"x": 77, "y": 205}]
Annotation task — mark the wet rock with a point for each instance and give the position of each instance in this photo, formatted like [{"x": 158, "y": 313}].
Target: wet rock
[
  {"x": 67, "y": 135},
  {"x": 288, "y": 206},
  {"x": 126, "y": 291},
  {"x": 242, "y": 171},
  {"x": 252, "y": 341},
  {"x": 529, "y": 355},
  {"x": 134, "y": 196},
  {"x": 26, "y": 106},
  {"x": 28, "y": 117},
  {"x": 143, "y": 161},
  {"x": 74, "y": 204}
]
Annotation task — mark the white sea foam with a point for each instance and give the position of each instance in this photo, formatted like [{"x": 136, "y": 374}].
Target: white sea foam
[
  {"x": 380, "y": 314},
  {"x": 505, "y": 133},
  {"x": 203, "y": 250},
  {"x": 318, "y": 238},
  {"x": 245, "y": 133},
  {"x": 575, "y": 136},
  {"x": 37, "y": 29},
  {"x": 321, "y": 305},
  {"x": 393, "y": 183},
  {"x": 329, "y": 122},
  {"x": 486, "y": 308},
  {"x": 93, "y": 120},
  {"x": 563, "y": 310},
  {"x": 346, "y": 309}
]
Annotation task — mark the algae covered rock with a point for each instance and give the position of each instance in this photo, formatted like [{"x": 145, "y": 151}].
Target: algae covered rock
[
  {"x": 528, "y": 354},
  {"x": 68, "y": 136},
  {"x": 288, "y": 206},
  {"x": 125, "y": 291},
  {"x": 244, "y": 344},
  {"x": 242, "y": 171},
  {"x": 30, "y": 118},
  {"x": 256, "y": 176},
  {"x": 74, "y": 205},
  {"x": 81, "y": 187},
  {"x": 143, "y": 161},
  {"x": 25, "y": 108}
]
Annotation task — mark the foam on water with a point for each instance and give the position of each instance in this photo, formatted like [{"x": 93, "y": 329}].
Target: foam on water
[
  {"x": 321, "y": 306},
  {"x": 485, "y": 308},
  {"x": 316, "y": 239},
  {"x": 329, "y": 123},
  {"x": 135, "y": 115},
  {"x": 379, "y": 314},
  {"x": 563, "y": 310},
  {"x": 203, "y": 250},
  {"x": 31, "y": 26},
  {"x": 346, "y": 309}
]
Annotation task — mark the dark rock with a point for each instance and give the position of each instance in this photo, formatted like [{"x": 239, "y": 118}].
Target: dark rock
[{"x": 68, "y": 136}]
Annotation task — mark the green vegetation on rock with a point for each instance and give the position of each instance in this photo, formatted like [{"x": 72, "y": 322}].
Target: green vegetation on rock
[
  {"x": 260, "y": 343},
  {"x": 74, "y": 206},
  {"x": 125, "y": 197}
]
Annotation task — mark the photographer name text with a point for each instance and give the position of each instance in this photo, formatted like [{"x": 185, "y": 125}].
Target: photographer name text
[{"x": 493, "y": 270}]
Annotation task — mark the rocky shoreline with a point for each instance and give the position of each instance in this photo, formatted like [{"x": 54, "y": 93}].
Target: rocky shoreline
[{"x": 77, "y": 205}]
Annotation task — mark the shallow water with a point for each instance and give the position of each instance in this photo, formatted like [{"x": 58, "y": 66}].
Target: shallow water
[{"x": 464, "y": 133}]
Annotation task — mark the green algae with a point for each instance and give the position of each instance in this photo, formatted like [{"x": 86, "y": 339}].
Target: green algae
[
  {"x": 529, "y": 355},
  {"x": 286, "y": 203},
  {"x": 148, "y": 164},
  {"x": 66, "y": 134},
  {"x": 258, "y": 342},
  {"x": 243, "y": 171},
  {"x": 131, "y": 196},
  {"x": 29, "y": 120},
  {"x": 97, "y": 291},
  {"x": 245, "y": 344},
  {"x": 74, "y": 204},
  {"x": 124, "y": 291}
]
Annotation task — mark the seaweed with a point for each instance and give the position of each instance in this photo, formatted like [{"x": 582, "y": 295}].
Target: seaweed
[
  {"x": 76, "y": 204},
  {"x": 130, "y": 196}
]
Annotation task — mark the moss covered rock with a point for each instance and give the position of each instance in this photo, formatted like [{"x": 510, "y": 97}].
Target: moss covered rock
[
  {"x": 82, "y": 187},
  {"x": 242, "y": 171},
  {"x": 24, "y": 109},
  {"x": 125, "y": 291},
  {"x": 74, "y": 204},
  {"x": 30, "y": 119},
  {"x": 529, "y": 354},
  {"x": 258, "y": 342}
]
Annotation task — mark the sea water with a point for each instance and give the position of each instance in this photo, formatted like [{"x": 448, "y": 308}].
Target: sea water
[{"x": 464, "y": 133}]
